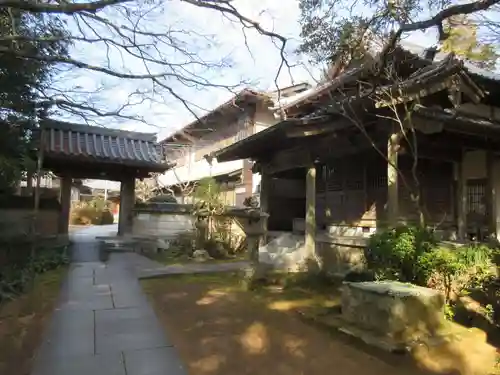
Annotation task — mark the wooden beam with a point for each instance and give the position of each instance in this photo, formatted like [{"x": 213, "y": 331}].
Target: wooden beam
[
  {"x": 326, "y": 148},
  {"x": 287, "y": 159},
  {"x": 309, "y": 129},
  {"x": 436, "y": 153}
]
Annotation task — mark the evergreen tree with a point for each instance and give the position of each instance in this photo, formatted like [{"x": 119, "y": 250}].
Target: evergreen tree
[
  {"x": 340, "y": 28},
  {"x": 21, "y": 80}
]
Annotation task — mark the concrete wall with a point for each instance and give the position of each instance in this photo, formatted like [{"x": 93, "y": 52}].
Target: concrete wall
[
  {"x": 171, "y": 219},
  {"x": 341, "y": 255},
  {"x": 14, "y": 222},
  {"x": 161, "y": 225}
]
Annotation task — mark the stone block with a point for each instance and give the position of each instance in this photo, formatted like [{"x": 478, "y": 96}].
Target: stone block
[
  {"x": 403, "y": 313},
  {"x": 144, "y": 216},
  {"x": 341, "y": 256},
  {"x": 284, "y": 253}
]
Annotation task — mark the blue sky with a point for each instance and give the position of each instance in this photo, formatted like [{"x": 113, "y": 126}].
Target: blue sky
[{"x": 256, "y": 64}]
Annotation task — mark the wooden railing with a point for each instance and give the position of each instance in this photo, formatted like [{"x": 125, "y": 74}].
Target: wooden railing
[{"x": 218, "y": 145}]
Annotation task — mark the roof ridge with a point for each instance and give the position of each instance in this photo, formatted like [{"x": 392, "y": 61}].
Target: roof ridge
[{"x": 98, "y": 130}]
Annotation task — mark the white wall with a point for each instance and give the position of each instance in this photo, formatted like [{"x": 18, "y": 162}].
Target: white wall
[
  {"x": 195, "y": 170},
  {"x": 256, "y": 179}
]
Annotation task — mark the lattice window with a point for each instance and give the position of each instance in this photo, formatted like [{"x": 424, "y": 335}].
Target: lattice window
[{"x": 476, "y": 197}]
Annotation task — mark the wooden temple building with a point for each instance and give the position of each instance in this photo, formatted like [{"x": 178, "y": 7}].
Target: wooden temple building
[
  {"x": 74, "y": 151},
  {"x": 418, "y": 141}
]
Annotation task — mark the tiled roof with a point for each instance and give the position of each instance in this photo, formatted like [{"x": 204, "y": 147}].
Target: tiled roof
[{"x": 66, "y": 140}]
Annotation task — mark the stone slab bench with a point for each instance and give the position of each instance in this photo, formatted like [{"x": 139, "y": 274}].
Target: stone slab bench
[{"x": 398, "y": 313}]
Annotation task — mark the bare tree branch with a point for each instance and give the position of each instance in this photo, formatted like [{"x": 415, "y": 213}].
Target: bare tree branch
[
  {"x": 59, "y": 7},
  {"x": 130, "y": 43},
  {"x": 435, "y": 21}
]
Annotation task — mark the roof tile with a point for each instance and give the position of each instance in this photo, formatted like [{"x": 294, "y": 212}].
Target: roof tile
[{"x": 101, "y": 144}]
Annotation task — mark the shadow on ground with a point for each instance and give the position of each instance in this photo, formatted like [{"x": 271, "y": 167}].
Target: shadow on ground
[{"x": 220, "y": 329}]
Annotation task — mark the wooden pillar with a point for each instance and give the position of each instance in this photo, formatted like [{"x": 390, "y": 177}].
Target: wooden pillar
[
  {"x": 265, "y": 192},
  {"x": 392, "y": 179},
  {"x": 491, "y": 194},
  {"x": 65, "y": 200},
  {"x": 264, "y": 198},
  {"x": 310, "y": 240},
  {"x": 29, "y": 184},
  {"x": 461, "y": 199},
  {"x": 127, "y": 201}
]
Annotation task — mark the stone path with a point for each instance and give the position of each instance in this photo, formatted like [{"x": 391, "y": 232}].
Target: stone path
[{"x": 104, "y": 324}]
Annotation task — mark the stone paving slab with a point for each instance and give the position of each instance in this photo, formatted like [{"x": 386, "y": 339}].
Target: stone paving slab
[
  {"x": 103, "y": 324},
  {"x": 128, "y": 300},
  {"x": 88, "y": 365},
  {"x": 88, "y": 301},
  {"x": 70, "y": 335},
  {"x": 126, "y": 329}
]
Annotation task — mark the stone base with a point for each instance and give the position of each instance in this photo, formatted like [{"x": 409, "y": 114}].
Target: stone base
[
  {"x": 402, "y": 313},
  {"x": 368, "y": 337}
]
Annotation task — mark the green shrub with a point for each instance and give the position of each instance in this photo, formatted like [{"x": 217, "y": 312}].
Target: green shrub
[
  {"x": 413, "y": 255},
  {"x": 16, "y": 278},
  {"x": 95, "y": 212},
  {"x": 393, "y": 254},
  {"x": 28, "y": 202},
  {"x": 183, "y": 244},
  {"x": 216, "y": 248},
  {"x": 454, "y": 271},
  {"x": 222, "y": 243},
  {"x": 107, "y": 217},
  {"x": 84, "y": 216}
]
